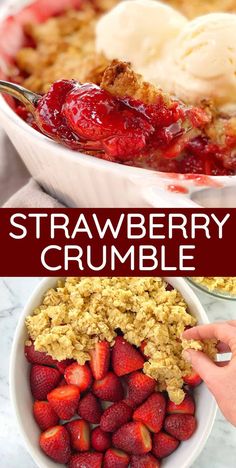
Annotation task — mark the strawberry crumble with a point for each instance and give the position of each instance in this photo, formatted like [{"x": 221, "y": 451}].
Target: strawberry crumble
[
  {"x": 80, "y": 312},
  {"x": 159, "y": 132}
]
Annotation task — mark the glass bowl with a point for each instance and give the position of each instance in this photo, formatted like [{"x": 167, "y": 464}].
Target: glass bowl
[{"x": 214, "y": 293}]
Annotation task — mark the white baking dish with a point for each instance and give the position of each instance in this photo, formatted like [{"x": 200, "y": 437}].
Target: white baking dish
[
  {"x": 22, "y": 398},
  {"x": 85, "y": 181}
]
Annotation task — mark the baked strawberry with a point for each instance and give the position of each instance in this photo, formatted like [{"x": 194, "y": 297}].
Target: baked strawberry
[
  {"x": 100, "y": 440},
  {"x": 133, "y": 438},
  {"x": 164, "y": 444},
  {"x": 62, "y": 365},
  {"x": 42, "y": 380},
  {"x": 115, "y": 416},
  {"x": 14, "y": 37},
  {"x": 100, "y": 359},
  {"x": 40, "y": 10},
  {"x": 144, "y": 461},
  {"x": 78, "y": 375},
  {"x": 55, "y": 442},
  {"x": 86, "y": 460},
  {"x": 125, "y": 357},
  {"x": 96, "y": 115},
  {"x": 90, "y": 409},
  {"x": 44, "y": 415},
  {"x": 115, "y": 458},
  {"x": 180, "y": 426},
  {"x": 64, "y": 400},
  {"x": 38, "y": 357},
  {"x": 186, "y": 407},
  {"x": 49, "y": 117},
  {"x": 193, "y": 379},
  {"x": 79, "y": 432},
  {"x": 109, "y": 389},
  {"x": 152, "y": 412},
  {"x": 140, "y": 387}
]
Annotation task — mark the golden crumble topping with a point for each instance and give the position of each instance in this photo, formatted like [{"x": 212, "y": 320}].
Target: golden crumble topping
[
  {"x": 80, "y": 312},
  {"x": 64, "y": 48},
  {"x": 192, "y": 8},
  {"x": 223, "y": 284}
]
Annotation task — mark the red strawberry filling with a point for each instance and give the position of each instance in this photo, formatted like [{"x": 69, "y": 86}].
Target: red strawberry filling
[
  {"x": 88, "y": 118},
  {"x": 139, "y": 429}
]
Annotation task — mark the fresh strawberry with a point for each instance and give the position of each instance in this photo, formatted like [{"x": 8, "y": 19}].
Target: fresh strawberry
[
  {"x": 115, "y": 458},
  {"x": 186, "y": 407},
  {"x": 133, "y": 438},
  {"x": 140, "y": 386},
  {"x": 64, "y": 400},
  {"x": 125, "y": 358},
  {"x": 38, "y": 357},
  {"x": 100, "y": 440},
  {"x": 115, "y": 416},
  {"x": 100, "y": 359},
  {"x": 55, "y": 442},
  {"x": 152, "y": 412},
  {"x": 193, "y": 379},
  {"x": 144, "y": 461},
  {"x": 62, "y": 383},
  {"x": 142, "y": 348},
  {"x": 181, "y": 426},
  {"x": 44, "y": 415},
  {"x": 164, "y": 444},
  {"x": 109, "y": 389},
  {"x": 79, "y": 431},
  {"x": 90, "y": 409},
  {"x": 78, "y": 375},
  {"x": 130, "y": 402},
  {"x": 62, "y": 365},
  {"x": 42, "y": 380},
  {"x": 86, "y": 460}
]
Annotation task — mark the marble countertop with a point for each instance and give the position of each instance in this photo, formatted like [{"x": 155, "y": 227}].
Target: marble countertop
[{"x": 220, "y": 450}]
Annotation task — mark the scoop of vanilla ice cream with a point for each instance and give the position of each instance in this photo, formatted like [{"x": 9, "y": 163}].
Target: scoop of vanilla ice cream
[
  {"x": 137, "y": 31},
  {"x": 202, "y": 61}
]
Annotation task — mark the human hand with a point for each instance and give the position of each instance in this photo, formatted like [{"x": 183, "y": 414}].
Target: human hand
[{"x": 220, "y": 377}]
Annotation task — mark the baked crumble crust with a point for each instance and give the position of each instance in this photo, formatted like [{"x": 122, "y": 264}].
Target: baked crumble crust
[
  {"x": 64, "y": 47},
  {"x": 120, "y": 80},
  {"x": 192, "y": 8}
]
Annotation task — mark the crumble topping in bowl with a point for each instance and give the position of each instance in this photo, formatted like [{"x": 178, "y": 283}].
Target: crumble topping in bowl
[
  {"x": 82, "y": 311},
  {"x": 221, "y": 284}
]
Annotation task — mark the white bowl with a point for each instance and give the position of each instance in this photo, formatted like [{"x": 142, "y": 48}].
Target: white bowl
[
  {"x": 84, "y": 181},
  {"x": 22, "y": 399}
]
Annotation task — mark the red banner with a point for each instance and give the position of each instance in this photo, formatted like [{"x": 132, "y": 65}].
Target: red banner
[{"x": 118, "y": 242}]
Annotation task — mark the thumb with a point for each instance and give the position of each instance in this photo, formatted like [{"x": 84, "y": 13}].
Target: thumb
[{"x": 202, "y": 364}]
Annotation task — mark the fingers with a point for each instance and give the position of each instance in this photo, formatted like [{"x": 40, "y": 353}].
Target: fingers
[
  {"x": 224, "y": 332},
  {"x": 202, "y": 364},
  {"x": 231, "y": 322}
]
